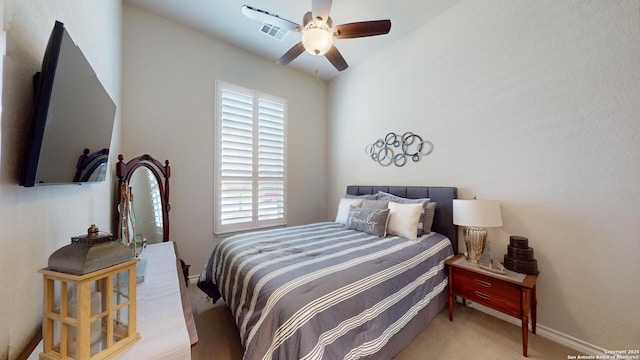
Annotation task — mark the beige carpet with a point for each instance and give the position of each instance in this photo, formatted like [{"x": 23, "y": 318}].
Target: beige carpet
[{"x": 471, "y": 335}]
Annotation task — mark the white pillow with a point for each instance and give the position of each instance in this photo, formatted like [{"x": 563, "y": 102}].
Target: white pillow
[
  {"x": 343, "y": 208},
  {"x": 403, "y": 219}
]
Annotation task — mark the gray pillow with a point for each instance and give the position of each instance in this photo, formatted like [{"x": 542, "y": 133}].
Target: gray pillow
[
  {"x": 367, "y": 196},
  {"x": 370, "y": 221},
  {"x": 424, "y": 201},
  {"x": 375, "y": 204},
  {"x": 429, "y": 212}
]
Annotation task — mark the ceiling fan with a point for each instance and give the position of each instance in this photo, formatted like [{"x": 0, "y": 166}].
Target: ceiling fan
[{"x": 318, "y": 31}]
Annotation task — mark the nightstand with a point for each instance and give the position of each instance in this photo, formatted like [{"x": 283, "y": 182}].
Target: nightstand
[{"x": 513, "y": 294}]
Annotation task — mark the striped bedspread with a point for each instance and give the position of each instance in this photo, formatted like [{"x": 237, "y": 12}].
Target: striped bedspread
[{"x": 319, "y": 291}]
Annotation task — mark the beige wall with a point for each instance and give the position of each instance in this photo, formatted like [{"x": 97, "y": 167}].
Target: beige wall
[
  {"x": 168, "y": 79},
  {"x": 535, "y": 104},
  {"x": 34, "y": 222}
]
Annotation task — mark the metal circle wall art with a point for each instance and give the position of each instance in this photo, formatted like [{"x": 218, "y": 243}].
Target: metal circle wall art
[{"x": 395, "y": 149}]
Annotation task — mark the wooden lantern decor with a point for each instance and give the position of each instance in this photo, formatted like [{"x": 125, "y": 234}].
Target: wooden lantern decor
[{"x": 89, "y": 314}]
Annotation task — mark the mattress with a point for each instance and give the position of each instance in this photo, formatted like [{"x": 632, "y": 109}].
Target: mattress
[{"x": 321, "y": 291}]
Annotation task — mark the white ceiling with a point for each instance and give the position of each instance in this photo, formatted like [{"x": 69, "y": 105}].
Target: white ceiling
[{"x": 223, "y": 20}]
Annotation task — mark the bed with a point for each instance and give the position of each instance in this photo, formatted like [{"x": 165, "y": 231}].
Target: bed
[{"x": 325, "y": 290}]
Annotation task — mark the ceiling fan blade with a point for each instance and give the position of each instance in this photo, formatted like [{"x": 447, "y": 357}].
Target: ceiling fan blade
[
  {"x": 269, "y": 18},
  {"x": 362, "y": 29},
  {"x": 290, "y": 55},
  {"x": 321, "y": 9},
  {"x": 336, "y": 59}
]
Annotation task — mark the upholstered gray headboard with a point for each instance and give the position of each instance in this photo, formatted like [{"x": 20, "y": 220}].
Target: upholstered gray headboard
[{"x": 443, "y": 195}]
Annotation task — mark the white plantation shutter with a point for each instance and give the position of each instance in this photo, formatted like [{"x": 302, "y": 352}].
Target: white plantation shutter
[
  {"x": 236, "y": 150},
  {"x": 270, "y": 160},
  {"x": 250, "y": 158}
]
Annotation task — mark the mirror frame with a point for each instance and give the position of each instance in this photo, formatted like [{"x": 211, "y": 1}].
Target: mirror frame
[
  {"x": 88, "y": 163},
  {"x": 124, "y": 172}
]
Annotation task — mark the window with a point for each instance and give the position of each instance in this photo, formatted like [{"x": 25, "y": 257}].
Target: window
[
  {"x": 250, "y": 159},
  {"x": 156, "y": 203}
]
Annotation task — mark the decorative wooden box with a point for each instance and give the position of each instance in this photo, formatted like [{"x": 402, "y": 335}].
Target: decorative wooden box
[
  {"x": 519, "y": 256},
  {"x": 90, "y": 316}
]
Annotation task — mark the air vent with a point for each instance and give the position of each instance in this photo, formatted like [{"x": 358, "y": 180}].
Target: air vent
[{"x": 274, "y": 31}]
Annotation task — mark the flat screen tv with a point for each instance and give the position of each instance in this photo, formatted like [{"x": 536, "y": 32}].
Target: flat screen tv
[{"x": 72, "y": 120}]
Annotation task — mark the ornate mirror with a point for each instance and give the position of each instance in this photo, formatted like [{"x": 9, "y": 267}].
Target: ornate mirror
[
  {"x": 91, "y": 167},
  {"x": 148, "y": 182}
]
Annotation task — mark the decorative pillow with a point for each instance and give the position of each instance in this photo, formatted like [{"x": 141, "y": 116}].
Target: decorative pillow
[
  {"x": 374, "y": 204},
  {"x": 427, "y": 219},
  {"x": 403, "y": 219},
  {"x": 343, "y": 208},
  {"x": 371, "y": 221},
  {"x": 424, "y": 201},
  {"x": 366, "y": 196}
]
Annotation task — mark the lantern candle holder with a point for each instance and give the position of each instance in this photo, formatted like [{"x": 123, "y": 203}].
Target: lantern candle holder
[
  {"x": 89, "y": 308},
  {"x": 90, "y": 316}
]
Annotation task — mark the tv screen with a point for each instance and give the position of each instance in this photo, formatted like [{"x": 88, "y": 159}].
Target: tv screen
[{"x": 72, "y": 119}]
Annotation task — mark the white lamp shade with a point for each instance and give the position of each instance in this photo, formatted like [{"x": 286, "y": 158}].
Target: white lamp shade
[
  {"x": 480, "y": 213},
  {"x": 317, "y": 41}
]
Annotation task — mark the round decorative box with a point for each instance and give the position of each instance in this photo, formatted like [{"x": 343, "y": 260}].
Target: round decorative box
[
  {"x": 519, "y": 256},
  {"x": 525, "y": 267},
  {"x": 520, "y": 253},
  {"x": 519, "y": 242}
]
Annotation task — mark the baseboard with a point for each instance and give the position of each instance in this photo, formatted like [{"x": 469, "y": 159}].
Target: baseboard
[{"x": 581, "y": 347}]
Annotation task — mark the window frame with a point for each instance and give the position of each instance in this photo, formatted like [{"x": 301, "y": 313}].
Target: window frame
[{"x": 255, "y": 223}]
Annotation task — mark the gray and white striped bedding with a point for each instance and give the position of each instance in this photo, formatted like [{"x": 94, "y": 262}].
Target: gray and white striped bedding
[{"x": 320, "y": 291}]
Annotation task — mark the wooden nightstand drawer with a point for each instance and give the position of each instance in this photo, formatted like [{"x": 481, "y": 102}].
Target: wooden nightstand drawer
[{"x": 487, "y": 291}]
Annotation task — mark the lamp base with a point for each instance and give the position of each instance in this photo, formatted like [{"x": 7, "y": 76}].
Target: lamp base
[{"x": 475, "y": 239}]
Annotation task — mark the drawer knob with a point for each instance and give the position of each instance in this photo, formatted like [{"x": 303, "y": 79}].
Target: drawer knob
[
  {"x": 483, "y": 283},
  {"x": 484, "y": 296}
]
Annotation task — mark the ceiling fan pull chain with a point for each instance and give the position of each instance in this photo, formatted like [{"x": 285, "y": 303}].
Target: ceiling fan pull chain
[{"x": 317, "y": 75}]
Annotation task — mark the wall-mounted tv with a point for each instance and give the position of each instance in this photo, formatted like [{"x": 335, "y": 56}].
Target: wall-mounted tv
[{"x": 72, "y": 120}]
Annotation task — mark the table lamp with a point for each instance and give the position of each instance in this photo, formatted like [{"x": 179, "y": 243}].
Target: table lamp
[{"x": 475, "y": 216}]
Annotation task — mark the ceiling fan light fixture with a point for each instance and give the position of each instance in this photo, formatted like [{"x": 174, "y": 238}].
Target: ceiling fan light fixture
[
  {"x": 317, "y": 41},
  {"x": 318, "y": 32}
]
